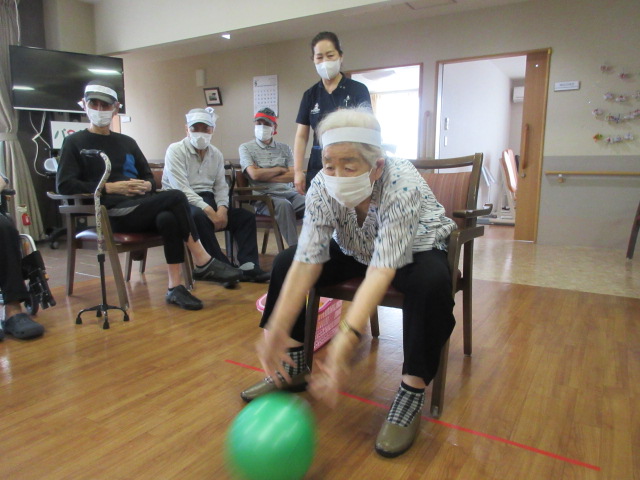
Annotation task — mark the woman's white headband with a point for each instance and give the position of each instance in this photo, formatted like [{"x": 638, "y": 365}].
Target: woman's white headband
[
  {"x": 101, "y": 89},
  {"x": 352, "y": 134}
]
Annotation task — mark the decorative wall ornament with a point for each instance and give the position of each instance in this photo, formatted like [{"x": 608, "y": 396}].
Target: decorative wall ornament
[{"x": 615, "y": 118}]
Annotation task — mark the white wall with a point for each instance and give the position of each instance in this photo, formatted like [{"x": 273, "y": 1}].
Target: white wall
[
  {"x": 69, "y": 26},
  {"x": 582, "y": 34},
  {"x": 126, "y": 25}
]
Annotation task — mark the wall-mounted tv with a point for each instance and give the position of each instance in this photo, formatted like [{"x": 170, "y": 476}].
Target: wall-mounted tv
[{"x": 54, "y": 81}]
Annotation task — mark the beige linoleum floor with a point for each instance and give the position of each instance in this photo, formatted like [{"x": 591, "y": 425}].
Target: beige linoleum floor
[{"x": 497, "y": 257}]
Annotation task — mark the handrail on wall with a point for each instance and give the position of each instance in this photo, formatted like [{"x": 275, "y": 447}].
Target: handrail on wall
[{"x": 562, "y": 173}]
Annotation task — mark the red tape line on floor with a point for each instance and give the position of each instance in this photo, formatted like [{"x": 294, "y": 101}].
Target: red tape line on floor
[{"x": 457, "y": 427}]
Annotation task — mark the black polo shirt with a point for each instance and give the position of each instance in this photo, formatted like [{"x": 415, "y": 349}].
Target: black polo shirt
[{"x": 317, "y": 103}]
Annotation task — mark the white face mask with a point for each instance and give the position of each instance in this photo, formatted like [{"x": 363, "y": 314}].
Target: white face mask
[
  {"x": 264, "y": 133},
  {"x": 329, "y": 69},
  {"x": 349, "y": 191},
  {"x": 200, "y": 140},
  {"x": 100, "y": 118}
]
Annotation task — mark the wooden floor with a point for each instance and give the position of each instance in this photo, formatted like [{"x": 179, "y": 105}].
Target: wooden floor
[{"x": 551, "y": 392}]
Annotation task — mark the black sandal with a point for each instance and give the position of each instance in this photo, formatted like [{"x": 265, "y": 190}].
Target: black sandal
[{"x": 21, "y": 326}]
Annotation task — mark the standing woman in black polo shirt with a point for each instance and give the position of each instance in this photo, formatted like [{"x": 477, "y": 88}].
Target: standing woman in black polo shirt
[{"x": 334, "y": 91}]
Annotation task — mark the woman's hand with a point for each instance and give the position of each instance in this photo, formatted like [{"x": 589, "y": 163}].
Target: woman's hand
[
  {"x": 272, "y": 352},
  {"x": 300, "y": 182},
  {"x": 330, "y": 377}
]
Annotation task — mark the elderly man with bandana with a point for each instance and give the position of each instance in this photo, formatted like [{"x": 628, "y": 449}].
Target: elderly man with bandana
[
  {"x": 269, "y": 165},
  {"x": 196, "y": 167}
]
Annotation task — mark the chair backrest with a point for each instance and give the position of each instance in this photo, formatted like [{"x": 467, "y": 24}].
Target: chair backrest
[
  {"x": 156, "y": 170},
  {"x": 510, "y": 170},
  {"x": 456, "y": 190}
]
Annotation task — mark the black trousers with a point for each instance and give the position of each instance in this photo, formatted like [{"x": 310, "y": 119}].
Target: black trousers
[
  {"x": 11, "y": 281},
  {"x": 166, "y": 213},
  {"x": 242, "y": 225},
  {"x": 427, "y": 312}
]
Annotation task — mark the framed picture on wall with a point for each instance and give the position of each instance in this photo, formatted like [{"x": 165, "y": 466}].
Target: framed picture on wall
[{"x": 212, "y": 96}]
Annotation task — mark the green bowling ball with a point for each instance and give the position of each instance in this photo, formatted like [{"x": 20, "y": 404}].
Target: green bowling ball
[{"x": 272, "y": 438}]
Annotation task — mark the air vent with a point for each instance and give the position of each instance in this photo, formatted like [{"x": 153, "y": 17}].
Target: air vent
[
  {"x": 422, "y": 4},
  {"x": 518, "y": 94}
]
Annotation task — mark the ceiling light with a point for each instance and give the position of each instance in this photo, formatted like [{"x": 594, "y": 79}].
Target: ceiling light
[
  {"x": 104, "y": 71},
  {"x": 22, "y": 87},
  {"x": 226, "y": 35}
]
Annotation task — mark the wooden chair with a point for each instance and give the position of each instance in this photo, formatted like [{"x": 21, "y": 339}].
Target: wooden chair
[
  {"x": 241, "y": 194},
  {"x": 458, "y": 193},
  {"x": 135, "y": 245},
  {"x": 633, "y": 238}
]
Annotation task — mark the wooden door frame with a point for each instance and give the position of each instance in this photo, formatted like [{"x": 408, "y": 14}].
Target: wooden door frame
[{"x": 534, "y": 113}]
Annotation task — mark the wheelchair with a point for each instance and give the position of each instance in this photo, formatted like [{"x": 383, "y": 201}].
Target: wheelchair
[{"x": 33, "y": 269}]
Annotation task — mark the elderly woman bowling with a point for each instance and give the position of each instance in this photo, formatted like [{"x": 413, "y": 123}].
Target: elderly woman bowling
[{"x": 373, "y": 217}]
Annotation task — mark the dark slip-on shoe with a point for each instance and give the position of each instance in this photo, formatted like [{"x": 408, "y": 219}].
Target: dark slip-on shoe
[
  {"x": 22, "y": 326},
  {"x": 181, "y": 297},
  {"x": 393, "y": 440}
]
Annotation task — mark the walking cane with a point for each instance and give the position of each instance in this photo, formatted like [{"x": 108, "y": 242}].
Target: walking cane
[{"x": 101, "y": 309}]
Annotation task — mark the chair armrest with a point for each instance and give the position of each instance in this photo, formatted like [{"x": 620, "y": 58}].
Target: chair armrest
[
  {"x": 464, "y": 235},
  {"x": 81, "y": 203},
  {"x": 266, "y": 199},
  {"x": 457, "y": 240},
  {"x": 79, "y": 196},
  {"x": 249, "y": 189},
  {"x": 488, "y": 207},
  {"x": 252, "y": 198}
]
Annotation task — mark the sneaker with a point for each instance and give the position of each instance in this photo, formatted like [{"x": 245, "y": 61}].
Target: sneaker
[
  {"x": 217, "y": 271},
  {"x": 253, "y": 273},
  {"x": 21, "y": 326},
  {"x": 181, "y": 297}
]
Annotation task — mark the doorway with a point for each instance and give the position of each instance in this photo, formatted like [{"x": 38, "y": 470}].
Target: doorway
[
  {"x": 395, "y": 94},
  {"x": 489, "y": 104}
]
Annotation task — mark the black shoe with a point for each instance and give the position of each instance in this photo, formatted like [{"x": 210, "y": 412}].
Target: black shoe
[
  {"x": 217, "y": 271},
  {"x": 181, "y": 297},
  {"x": 255, "y": 275},
  {"x": 21, "y": 326}
]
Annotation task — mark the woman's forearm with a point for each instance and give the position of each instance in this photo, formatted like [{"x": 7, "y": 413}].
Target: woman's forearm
[
  {"x": 368, "y": 296},
  {"x": 300, "y": 147}
]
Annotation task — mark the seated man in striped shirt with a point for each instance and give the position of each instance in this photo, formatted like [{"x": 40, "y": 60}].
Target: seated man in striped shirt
[{"x": 269, "y": 165}]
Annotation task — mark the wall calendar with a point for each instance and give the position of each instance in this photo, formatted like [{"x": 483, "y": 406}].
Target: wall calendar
[{"x": 265, "y": 92}]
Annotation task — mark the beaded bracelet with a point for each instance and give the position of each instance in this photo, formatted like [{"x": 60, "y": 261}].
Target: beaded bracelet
[{"x": 346, "y": 328}]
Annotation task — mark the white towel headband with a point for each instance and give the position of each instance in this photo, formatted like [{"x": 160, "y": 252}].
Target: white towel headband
[
  {"x": 352, "y": 134},
  {"x": 101, "y": 89}
]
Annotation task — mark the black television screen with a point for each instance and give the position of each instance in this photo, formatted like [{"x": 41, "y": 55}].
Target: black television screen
[{"x": 54, "y": 81}]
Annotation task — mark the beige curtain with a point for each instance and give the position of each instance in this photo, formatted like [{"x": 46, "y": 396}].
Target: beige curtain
[
  {"x": 374, "y": 101},
  {"x": 15, "y": 164}
]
